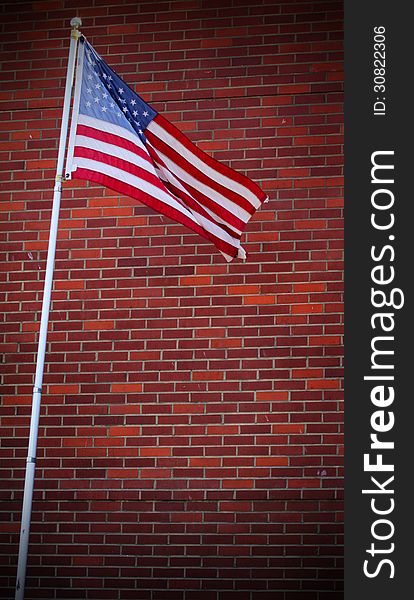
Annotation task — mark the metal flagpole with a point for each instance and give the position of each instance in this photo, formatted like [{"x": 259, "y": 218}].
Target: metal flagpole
[{"x": 37, "y": 390}]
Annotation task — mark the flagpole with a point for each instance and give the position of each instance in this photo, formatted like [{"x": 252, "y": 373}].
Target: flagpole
[{"x": 41, "y": 350}]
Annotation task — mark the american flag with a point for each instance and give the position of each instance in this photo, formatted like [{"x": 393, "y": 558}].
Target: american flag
[{"x": 121, "y": 142}]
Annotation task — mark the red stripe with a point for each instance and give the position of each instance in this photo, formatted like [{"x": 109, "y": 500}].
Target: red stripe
[
  {"x": 151, "y": 178},
  {"x": 202, "y": 199},
  {"x": 212, "y": 162},
  {"x": 111, "y": 138},
  {"x": 129, "y": 190},
  {"x": 119, "y": 163},
  {"x": 195, "y": 206},
  {"x": 189, "y": 168}
]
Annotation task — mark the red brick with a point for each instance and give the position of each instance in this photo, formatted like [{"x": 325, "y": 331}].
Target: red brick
[
  {"x": 19, "y": 399},
  {"x": 188, "y": 408},
  {"x": 122, "y": 473},
  {"x": 272, "y": 461},
  {"x": 244, "y": 289},
  {"x": 287, "y": 428},
  {"x": 307, "y": 308},
  {"x": 122, "y": 29},
  {"x": 99, "y": 325},
  {"x": 63, "y": 388},
  {"x": 307, "y": 373},
  {"x": 272, "y": 395},
  {"x": 207, "y": 375},
  {"x": 126, "y": 387},
  {"x": 259, "y": 299},
  {"x": 323, "y": 384},
  {"x": 238, "y": 483},
  {"x": 216, "y": 43},
  {"x": 195, "y": 281},
  {"x": 205, "y": 462},
  {"x": 155, "y": 452},
  {"x": 124, "y": 431},
  {"x": 324, "y": 340},
  {"x": 227, "y": 343}
]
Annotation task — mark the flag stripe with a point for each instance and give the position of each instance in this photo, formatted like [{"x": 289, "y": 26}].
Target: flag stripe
[
  {"x": 125, "y": 188},
  {"x": 111, "y": 154},
  {"x": 177, "y": 189},
  {"x": 86, "y": 146},
  {"x": 163, "y": 199},
  {"x": 110, "y": 138},
  {"x": 94, "y": 145},
  {"x": 119, "y": 162},
  {"x": 93, "y": 149},
  {"x": 104, "y": 126},
  {"x": 140, "y": 183},
  {"x": 166, "y": 131},
  {"x": 220, "y": 212},
  {"x": 107, "y": 157},
  {"x": 184, "y": 169}
]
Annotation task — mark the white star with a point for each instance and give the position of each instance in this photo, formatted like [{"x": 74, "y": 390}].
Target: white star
[
  {"x": 140, "y": 131},
  {"x": 105, "y": 95},
  {"x": 125, "y": 109},
  {"x": 89, "y": 90},
  {"x": 120, "y": 90},
  {"x": 139, "y": 124},
  {"x": 96, "y": 99},
  {"x": 119, "y": 114},
  {"x": 88, "y": 104},
  {"x": 104, "y": 75},
  {"x": 135, "y": 113},
  {"x": 112, "y": 105},
  {"x": 145, "y": 114},
  {"x": 133, "y": 102},
  {"x": 104, "y": 109},
  {"x": 89, "y": 76},
  {"x": 122, "y": 100},
  {"x": 110, "y": 78},
  {"x": 97, "y": 86}
]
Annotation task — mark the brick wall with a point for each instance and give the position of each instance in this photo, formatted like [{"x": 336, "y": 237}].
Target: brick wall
[{"x": 190, "y": 435}]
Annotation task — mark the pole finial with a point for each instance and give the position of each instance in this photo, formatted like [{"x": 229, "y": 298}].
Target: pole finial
[{"x": 75, "y": 22}]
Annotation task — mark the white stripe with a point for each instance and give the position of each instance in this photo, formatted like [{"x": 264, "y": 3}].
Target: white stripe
[
  {"x": 84, "y": 141},
  {"x": 227, "y": 182},
  {"x": 114, "y": 150},
  {"x": 136, "y": 182},
  {"x": 216, "y": 230},
  {"x": 239, "y": 212},
  {"x": 141, "y": 184},
  {"x": 241, "y": 253},
  {"x": 168, "y": 176},
  {"x": 226, "y": 256},
  {"x": 107, "y": 127}
]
